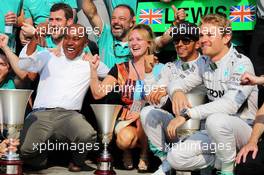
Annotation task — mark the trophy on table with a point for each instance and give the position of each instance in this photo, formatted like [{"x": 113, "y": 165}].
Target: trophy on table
[
  {"x": 13, "y": 103},
  {"x": 106, "y": 115}
]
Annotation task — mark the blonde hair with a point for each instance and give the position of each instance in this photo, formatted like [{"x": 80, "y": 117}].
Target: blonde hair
[
  {"x": 217, "y": 20},
  {"x": 147, "y": 34}
]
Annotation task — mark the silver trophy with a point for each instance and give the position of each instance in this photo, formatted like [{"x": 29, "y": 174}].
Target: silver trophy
[
  {"x": 13, "y": 103},
  {"x": 195, "y": 98},
  {"x": 106, "y": 115}
]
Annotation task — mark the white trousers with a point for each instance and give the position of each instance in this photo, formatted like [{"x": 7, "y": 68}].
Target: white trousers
[{"x": 224, "y": 134}]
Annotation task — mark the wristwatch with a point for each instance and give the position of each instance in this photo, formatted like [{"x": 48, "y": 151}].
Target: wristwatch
[{"x": 184, "y": 113}]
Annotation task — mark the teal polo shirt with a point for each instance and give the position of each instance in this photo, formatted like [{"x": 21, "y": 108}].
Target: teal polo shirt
[
  {"x": 112, "y": 51},
  {"x": 51, "y": 44},
  {"x": 5, "y": 7},
  {"x": 39, "y": 10},
  {"x": 8, "y": 83},
  {"x": 111, "y": 4}
]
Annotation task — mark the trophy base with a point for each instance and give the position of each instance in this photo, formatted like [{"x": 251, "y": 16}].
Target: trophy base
[
  {"x": 105, "y": 172},
  {"x": 10, "y": 156},
  {"x": 11, "y": 167},
  {"x": 104, "y": 166}
]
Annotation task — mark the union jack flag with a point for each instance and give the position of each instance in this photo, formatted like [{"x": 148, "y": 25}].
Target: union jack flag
[
  {"x": 150, "y": 16},
  {"x": 246, "y": 13}
]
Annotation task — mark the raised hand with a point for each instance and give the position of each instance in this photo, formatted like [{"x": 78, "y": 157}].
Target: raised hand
[
  {"x": 179, "y": 15},
  {"x": 3, "y": 40},
  {"x": 28, "y": 30},
  {"x": 40, "y": 34},
  {"x": 23, "y": 39},
  {"x": 150, "y": 61},
  {"x": 11, "y": 18},
  {"x": 94, "y": 62}
]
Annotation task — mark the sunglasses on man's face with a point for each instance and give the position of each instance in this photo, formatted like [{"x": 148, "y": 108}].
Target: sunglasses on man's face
[{"x": 185, "y": 41}]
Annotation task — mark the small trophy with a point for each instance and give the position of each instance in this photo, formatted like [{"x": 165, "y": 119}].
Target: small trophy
[
  {"x": 191, "y": 126},
  {"x": 106, "y": 115},
  {"x": 13, "y": 104}
]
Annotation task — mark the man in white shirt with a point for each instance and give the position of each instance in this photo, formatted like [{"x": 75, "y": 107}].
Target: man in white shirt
[{"x": 64, "y": 81}]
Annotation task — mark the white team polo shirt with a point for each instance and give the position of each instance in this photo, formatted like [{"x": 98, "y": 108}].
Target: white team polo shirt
[{"x": 63, "y": 83}]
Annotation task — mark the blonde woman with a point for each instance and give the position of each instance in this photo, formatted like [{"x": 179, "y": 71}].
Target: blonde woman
[{"x": 127, "y": 78}]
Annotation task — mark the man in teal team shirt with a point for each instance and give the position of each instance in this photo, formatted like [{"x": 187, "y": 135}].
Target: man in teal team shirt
[
  {"x": 50, "y": 34},
  {"x": 9, "y": 10},
  {"x": 38, "y": 11},
  {"x": 111, "y": 40}
]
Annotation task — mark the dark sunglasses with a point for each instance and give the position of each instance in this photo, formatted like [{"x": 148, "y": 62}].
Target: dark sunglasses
[{"x": 185, "y": 41}]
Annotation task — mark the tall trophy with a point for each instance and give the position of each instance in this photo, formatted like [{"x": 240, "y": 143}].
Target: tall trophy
[
  {"x": 13, "y": 104},
  {"x": 106, "y": 115}
]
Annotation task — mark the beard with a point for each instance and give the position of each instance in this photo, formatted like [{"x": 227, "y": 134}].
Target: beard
[
  {"x": 120, "y": 34},
  {"x": 57, "y": 36}
]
